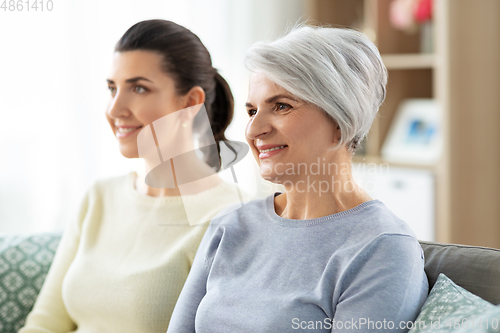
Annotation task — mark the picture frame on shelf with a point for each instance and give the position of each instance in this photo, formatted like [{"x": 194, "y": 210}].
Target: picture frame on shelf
[{"x": 415, "y": 136}]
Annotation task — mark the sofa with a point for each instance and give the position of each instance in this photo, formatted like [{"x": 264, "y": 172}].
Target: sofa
[
  {"x": 474, "y": 268},
  {"x": 25, "y": 261}
]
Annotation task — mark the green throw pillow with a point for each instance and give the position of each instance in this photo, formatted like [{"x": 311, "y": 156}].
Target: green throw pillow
[
  {"x": 451, "y": 308},
  {"x": 24, "y": 263}
]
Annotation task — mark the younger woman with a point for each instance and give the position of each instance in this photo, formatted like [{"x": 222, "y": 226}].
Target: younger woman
[{"x": 121, "y": 264}]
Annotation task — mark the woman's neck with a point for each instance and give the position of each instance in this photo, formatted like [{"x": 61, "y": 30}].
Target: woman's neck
[
  {"x": 190, "y": 175},
  {"x": 313, "y": 196}
]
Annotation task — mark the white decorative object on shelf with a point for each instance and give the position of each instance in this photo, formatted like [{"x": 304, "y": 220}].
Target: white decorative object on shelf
[
  {"x": 408, "y": 193},
  {"x": 415, "y": 136}
]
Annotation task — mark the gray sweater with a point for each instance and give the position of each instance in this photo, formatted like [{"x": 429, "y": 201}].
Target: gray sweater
[{"x": 359, "y": 270}]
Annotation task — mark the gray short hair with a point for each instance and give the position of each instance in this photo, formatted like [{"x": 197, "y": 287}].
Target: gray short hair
[{"x": 338, "y": 70}]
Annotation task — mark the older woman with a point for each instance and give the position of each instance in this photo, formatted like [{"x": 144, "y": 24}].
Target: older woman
[{"x": 323, "y": 255}]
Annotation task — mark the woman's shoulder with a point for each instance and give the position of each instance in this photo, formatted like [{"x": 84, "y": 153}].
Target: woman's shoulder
[
  {"x": 114, "y": 183},
  {"x": 232, "y": 224},
  {"x": 371, "y": 227},
  {"x": 240, "y": 211},
  {"x": 107, "y": 187},
  {"x": 101, "y": 192},
  {"x": 110, "y": 187},
  {"x": 237, "y": 218},
  {"x": 377, "y": 220}
]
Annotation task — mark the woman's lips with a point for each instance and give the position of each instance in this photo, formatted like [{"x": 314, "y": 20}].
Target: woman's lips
[
  {"x": 266, "y": 153},
  {"x": 124, "y": 132}
]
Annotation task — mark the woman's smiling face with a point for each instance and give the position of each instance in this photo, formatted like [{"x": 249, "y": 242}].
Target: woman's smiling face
[
  {"x": 284, "y": 131},
  {"x": 141, "y": 92}
]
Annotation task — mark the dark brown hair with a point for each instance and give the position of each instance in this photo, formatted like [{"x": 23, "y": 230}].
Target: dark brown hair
[{"x": 188, "y": 61}]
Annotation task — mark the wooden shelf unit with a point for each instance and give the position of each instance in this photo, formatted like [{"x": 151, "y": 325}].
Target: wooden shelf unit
[
  {"x": 408, "y": 61},
  {"x": 463, "y": 75},
  {"x": 380, "y": 160}
]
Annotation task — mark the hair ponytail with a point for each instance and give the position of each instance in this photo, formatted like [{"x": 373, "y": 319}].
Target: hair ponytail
[
  {"x": 222, "y": 108},
  {"x": 220, "y": 112}
]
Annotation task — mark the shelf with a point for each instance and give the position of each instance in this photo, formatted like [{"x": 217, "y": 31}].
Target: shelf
[
  {"x": 378, "y": 160},
  {"x": 408, "y": 61},
  {"x": 459, "y": 76}
]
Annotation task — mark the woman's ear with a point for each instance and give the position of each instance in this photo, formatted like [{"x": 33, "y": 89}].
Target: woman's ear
[
  {"x": 192, "y": 103},
  {"x": 194, "y": 97}
]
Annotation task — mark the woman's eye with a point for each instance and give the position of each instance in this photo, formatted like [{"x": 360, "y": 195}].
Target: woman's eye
[
  {"x": 251, "y": 112},
  {"x": 282, "y": 106},
  {"x": 112, "y": 90},
  {"x": 139, "y": 89}
]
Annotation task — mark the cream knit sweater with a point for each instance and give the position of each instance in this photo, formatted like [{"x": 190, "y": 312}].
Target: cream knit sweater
[{"x": 121, "y": 265}]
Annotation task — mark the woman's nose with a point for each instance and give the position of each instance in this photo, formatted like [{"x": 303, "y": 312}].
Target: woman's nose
[
  {"x": 118, "y": 106},
  {"x": 260, "y": 124}
]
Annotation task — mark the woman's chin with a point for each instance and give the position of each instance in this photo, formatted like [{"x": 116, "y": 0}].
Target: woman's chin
[
  {"x": 272, "y": 173},
  {"x": 129, "y": 153},
  {"x": 273, "y": 178}
]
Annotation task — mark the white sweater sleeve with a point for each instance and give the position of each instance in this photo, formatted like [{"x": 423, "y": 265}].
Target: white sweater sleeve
[{"x": 49, "y": 313}]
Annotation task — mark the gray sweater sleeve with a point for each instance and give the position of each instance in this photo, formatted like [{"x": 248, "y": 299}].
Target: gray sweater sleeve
[
  {"x": 378, "y": 290},
  {"x": 195, "y": 287}
]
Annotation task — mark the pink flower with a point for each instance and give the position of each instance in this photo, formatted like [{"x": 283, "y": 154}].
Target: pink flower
[
  {"x": 402, "y": 14},
  {"x": 423, "y": 12}
]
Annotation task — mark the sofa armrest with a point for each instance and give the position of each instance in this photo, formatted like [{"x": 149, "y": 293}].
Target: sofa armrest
[{"x": 24, "y": 263}]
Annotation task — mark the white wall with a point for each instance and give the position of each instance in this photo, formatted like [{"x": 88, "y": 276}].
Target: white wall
[{"x": 55, "y": 141}]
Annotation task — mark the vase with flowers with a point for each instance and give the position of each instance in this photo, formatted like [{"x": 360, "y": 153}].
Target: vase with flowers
[{"x": 412, "y": 16}]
